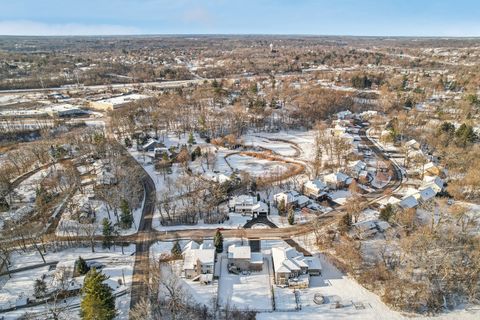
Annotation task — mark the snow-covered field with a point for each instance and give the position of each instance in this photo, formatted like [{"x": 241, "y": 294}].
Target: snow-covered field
[
  {"x": 257, "y": 167},
  {"x": 279, "y": 147},
  {"x": 303, "y": 139}
]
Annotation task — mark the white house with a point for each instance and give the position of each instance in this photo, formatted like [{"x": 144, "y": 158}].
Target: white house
[
  {"x": 241, "y": 258},
  {"x": 356, "y": 167},
  {"x": 291, "y": 268},
  {"x": 315, "y": 189},
  {"x": 289, "y": 198},
  {"x": 336, "y": 180},
  {"x": 425, "y": 194},
  {"x": 246, "y": 204},
  {"x": 412, "y": 144},
  {"x": 198, "y": 260},
  {"x": 434, "y": 182}
]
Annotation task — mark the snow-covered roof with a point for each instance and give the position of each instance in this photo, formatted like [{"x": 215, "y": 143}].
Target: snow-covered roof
[
  {"x": 411, "y": 143},
  {"x": 123, "y": 99},
  {"x": 335, "y": 177},
  {"x": 301, "y": 200},
  {"x": 260, "y": 207},
  {"x": 190, "y": 245},
  {"x": 408, "y": 202},
  {"x": 288, "y": 196},
  {"x": 205, "y": 256},
  {"x": 243, "y": 200},
  {"x": 434, "y": 182},
  {"x": 150, "y": 142},
  {"x": 340, "y": 196},
  {"x": 358, "y": 165},
  {"x": 315, "y": 185},
  {"x": 286, "y": 260},
  {"x": 239, "y": 252},
  {"x": 390, "y": 200},
  {"x": 313, "y": 263},
  {"x": 427, "y": 194}
]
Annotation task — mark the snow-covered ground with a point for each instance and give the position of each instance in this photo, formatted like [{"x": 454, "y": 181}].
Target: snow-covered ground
[
  {"x": 244, "y": 292},
  {"x": 236, "y": 221},
  {"x": 279, "y": 147},
  {"x": 117, "y": 266},
  {"x": 303, "y": 139},
  {"x": 70, "y": 226},
  {"x": 24, "y": 198},
  {"x": 257, "y": 167},
  {"x": 205, "y": 294}
]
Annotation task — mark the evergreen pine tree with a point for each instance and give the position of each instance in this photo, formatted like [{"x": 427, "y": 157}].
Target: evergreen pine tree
[
  {"x": 126, "y": 217},
  {"x": 98, "y": 301},
  {"x": 176, "y": 250},
  {"x": 386, "y": 213},
  {"x": 281, "y": 207},
  {"x": 40, "y": 288},
  {"x": 218, "y": 241},
  {"x": 128, "y": 142},
  {"x": 191, "y": 139},
  {"x": 107, "y": 231},
  {"x": 81, "y": 266},
  {"x": 345, "y": 223},
  {"x": 291, "y": 216}
]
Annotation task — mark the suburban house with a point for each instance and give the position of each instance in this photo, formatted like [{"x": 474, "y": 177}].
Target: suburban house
[
  {"x": 241, "y": 258},
  {"x": 303, "y": 201},
  {"x": 315, "y": 189},
  {"x": 412, "y": 144},
  {"x": 150, "y": 145},
  {"x": 434, "y": 182},
  {"x": 199, "y": 261},
  {"x": 246, "y": 204},
  {"x": 292, "y": 268},
  {"x": 289, "y": 198},
  {"x": 159, "y": 152},
  {"x": 425, "y": 195},
  {"x": 336, "y": 180},
  {"x": 357, "y": 167},
  {"x": 431, "y": 169}
]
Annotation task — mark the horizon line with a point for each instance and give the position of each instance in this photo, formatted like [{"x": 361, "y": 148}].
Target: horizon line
[{"x": 241, "y": 35}]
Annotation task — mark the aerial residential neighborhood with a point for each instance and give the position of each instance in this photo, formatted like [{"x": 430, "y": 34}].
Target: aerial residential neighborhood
[{"x": 222, "y": 160}]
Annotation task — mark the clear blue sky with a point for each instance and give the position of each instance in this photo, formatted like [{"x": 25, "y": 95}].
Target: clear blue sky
[{"x": 320, "y": 17}]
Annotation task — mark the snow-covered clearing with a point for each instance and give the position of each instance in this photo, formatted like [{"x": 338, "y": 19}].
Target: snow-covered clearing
[
  {"x": 303, "y": 139},
  {"x": 279, "y": 147},
  {"x": 257, "y": 167}
]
